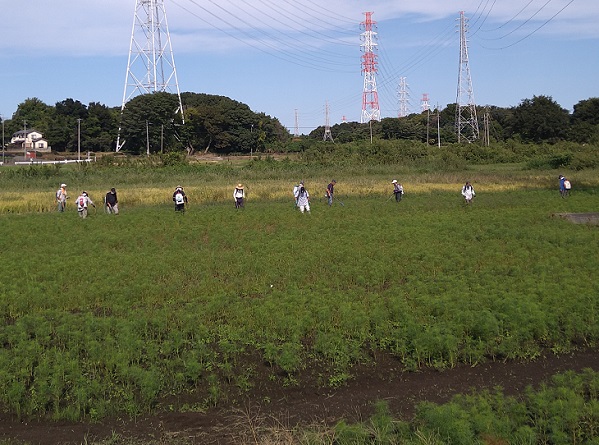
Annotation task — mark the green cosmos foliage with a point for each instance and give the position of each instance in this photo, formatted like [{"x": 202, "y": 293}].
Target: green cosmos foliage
[
  {"x": 563, "y": 411},
  {"x": 115, "y": 315}
]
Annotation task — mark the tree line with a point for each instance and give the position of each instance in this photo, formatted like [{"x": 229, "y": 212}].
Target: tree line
[
  {"x": 211, "y": 123},
  {"x": 537, "y": 120},
  {"x": 151, "y": 122}
]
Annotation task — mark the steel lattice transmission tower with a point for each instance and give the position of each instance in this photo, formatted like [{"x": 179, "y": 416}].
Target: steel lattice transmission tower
[
  {"x": 465, "y": 113},
  {"x": 424, "y": 102},
  {"x": 370, "y": 95},
  {"x": 404, "y": 98},
  {"x": 296, "y": 129},
  {"x": 151, "y": 64},
  {"x": 327, "y": 124}
]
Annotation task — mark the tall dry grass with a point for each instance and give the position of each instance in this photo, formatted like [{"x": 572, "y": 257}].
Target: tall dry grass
[{"x": 215, "y": 184}]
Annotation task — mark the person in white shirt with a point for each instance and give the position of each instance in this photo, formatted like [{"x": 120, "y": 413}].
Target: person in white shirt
[
  {"x": 83, "y": 201},
  {"x": 468, "y": 192},
  {"x": 239, "y": 196},
  {"x": 397, "y": 190},
  {"x": 303, "y": 199},
  {"x": 61, "y": 197}
]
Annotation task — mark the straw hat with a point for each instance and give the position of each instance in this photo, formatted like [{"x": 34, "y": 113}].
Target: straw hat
[{"x": 240, "y": 186}]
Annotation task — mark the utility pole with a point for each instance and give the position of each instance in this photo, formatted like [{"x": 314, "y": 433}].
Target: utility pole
[
  {"x": 147, "y": 138},
  {"x": 2, "y": 117},
  {"x": 162, "y": 138},
  {"x": 327, "y": 126},
  {"x": 486, "y": 127},
  {"x": 438, "y": 128},
  {"x": 426, "y": 107},
  {"x": 465, "y": 115},
  {"x": 24, "y": 140},
  {"x": 79, "y": 139},
  {"x": 370, "y": 95},
  {"x": 151, "y": 64}
]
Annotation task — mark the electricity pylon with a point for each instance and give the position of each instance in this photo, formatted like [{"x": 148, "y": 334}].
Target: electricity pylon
[
  {"x": 404, "y": 98},
  {"x": 465, "y": 113},
  {"x": 296, "y": 129},
  {"x": 424, "y": 102},
  {"x": 327, "y": 124},
  {"x": 370, "y": 95},
  {"x": 151, "y": 64}
]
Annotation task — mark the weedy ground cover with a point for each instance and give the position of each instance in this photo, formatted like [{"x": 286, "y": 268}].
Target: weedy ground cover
[{"x": 116, "y": 314}]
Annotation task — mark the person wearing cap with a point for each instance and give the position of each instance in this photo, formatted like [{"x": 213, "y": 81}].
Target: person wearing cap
[
  {"x": 61, "y": 197},
  {"x": 303, "y": 198},
  {"x": 111, "y": 202},
  {"x": 83, "y": 201},
  {"x": 468, "y": 192},
  {"x": 330, "y": 191},
  {"x": 180, "y": 199},
  {"x": 239, "y": 196},
  {"x": 397, "y": 190}
]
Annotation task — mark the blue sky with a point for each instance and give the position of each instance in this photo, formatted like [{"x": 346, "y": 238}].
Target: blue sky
[{"x": 288, "y": 58}]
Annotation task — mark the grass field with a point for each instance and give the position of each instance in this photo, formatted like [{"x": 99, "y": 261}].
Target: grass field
[{"x": 116, "y": 314}]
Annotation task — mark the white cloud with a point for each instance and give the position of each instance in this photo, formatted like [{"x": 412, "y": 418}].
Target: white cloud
[{"x": 103, "y": 27}]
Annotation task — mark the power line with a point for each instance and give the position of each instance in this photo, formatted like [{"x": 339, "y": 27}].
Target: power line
[{"x": 536, "y": 29}]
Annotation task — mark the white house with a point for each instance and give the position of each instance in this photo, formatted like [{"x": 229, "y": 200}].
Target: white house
[{"x": 32, "y": 139}]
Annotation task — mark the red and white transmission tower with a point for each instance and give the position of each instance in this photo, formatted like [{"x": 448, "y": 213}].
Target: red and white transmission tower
[
  {"x": 151, "y": 64},
  {"x": 370, "y": 96},
  {"x": 466, "y": 121},
  {"x": 424, "y": 102}
]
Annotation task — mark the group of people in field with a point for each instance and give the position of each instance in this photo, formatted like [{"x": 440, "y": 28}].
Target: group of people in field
[
  {"x": 301, "y": 196},
  {"x": 83, "y": 201},
  {"x": 180, "y": 197}
]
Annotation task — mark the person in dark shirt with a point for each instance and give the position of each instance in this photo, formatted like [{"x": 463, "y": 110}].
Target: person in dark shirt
[
  {"x": 331, "y": 191},
  {"x": 111, "y": 202}
]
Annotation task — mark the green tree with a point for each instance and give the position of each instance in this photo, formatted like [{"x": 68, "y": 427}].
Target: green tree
[
  {"x": 585, "y": 121},
  {"x": 411, "y": 127},
  {"x": 220, "y": 124},
  {"x": 540, "y": 119},
  {"x": 151, "y": 120},
  {"x": 63, "y": 134},
  {"x": 587, "y": 111},
  {"x": 32, "y": 113},
  {"x": 100, "y": 128}
]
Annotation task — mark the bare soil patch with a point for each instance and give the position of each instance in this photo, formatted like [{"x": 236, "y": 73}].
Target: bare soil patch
[
  {"x": 580, "y": 218},
  {"x": 307, "y": 405}
]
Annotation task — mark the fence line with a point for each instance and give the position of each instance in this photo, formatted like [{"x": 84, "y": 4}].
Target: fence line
[{"x": 66, "y": 161}]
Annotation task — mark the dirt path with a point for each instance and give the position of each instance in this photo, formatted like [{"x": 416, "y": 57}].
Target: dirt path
[{"x": 271, "y": 404}]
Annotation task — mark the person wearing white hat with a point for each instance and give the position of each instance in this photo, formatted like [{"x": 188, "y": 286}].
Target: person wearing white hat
[
  {"x": 397, "y": 190},
  {"x": 239, "y": 196},
  {"x": 83, "y": 201},
  {"x": 180, "y": 199},
  {"x": 61, "y": 197}
]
